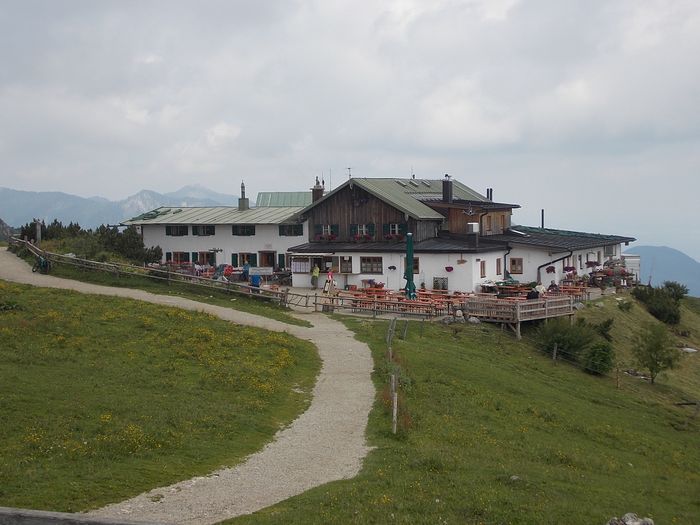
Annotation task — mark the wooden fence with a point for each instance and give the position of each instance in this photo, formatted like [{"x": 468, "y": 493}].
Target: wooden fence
[{"x": 487, "y": 308}]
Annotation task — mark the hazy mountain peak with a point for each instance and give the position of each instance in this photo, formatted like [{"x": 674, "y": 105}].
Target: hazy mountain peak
[
  {"x": 661, "y": 263},
  {"x": 20, "y": 207}
]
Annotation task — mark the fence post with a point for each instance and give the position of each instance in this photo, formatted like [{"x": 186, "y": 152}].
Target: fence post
[
  {"x": 554, "y": 352},
  {"x": 405, "y": 329},
  {"x": 394, "y": 411},
  {"x": 315, "y": 302}
]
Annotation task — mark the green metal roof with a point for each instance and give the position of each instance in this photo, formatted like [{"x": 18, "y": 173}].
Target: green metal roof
[
  {"x": 283, "y": 198},
  {"x": 217, "y": 215},
  {"x": 406, "y": 194}
]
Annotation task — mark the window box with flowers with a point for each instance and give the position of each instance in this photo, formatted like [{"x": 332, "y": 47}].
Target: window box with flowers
[
  {"x": 592, "y": 264},
  {"x": 326, "y": 237},
  {"x": 569, "y": 269},
  {"x": 361, "y": 237},
  {"x": 394, "y": 237},
  {"x": 550, "y": 269}
]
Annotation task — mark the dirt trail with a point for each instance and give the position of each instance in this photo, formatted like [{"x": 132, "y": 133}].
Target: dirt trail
[{"x": 326, "y": 443}]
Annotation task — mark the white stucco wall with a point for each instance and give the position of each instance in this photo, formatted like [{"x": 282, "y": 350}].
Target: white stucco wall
[
  {"x": 534, "y": 257},
  {"x": 266, "y": 238},
  {"x": 465, "y": 276}
]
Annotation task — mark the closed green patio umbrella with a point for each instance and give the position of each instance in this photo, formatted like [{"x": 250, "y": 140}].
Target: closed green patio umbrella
[{"x": 408, "y": 273}]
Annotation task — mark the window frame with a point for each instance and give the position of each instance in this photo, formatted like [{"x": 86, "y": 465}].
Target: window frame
[
  {"x": 516, "y": 265},
  {"x": 243, "y": 230},
  {"x": 290, "y": 230},
  {"x": 371, "y": 265},
  {"x": 176, "y": 230},
  {"x": 203, "y": 230},
  {"x": 345, "y": 265}
]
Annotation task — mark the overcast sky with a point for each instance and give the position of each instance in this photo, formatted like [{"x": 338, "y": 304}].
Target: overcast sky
[{"x": 590, "y": 109}]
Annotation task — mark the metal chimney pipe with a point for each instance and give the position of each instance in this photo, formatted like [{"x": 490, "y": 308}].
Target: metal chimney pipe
[{"x": 542, "y": 219}]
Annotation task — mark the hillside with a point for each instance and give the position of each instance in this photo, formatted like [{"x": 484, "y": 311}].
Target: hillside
[
  {"x": 660, "y": 263},
  {"x": 20, "y": 207},
  {"x": 492, "y": 431}
]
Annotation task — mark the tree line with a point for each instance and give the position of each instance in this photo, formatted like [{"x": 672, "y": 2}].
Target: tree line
[{"x": 101, "y": 244}]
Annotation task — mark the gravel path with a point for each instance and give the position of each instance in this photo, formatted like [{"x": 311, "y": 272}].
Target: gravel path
[{"x": 326, "y": 443}]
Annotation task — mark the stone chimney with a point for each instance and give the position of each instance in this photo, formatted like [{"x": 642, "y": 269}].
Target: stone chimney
[
  {"x": 243, "y": 203},
  {"x": 317, "y": 191},
  {"x": 447, "y": 189}
]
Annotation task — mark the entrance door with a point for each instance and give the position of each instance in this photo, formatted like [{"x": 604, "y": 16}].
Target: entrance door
[{"x": 267, "y": 259}]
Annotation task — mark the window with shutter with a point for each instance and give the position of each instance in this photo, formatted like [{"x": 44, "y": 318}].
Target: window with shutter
[
  {"x": 516, "y": 265},
  {"x": 281, "y": 262},
  {"x": 234, "y": 260}
]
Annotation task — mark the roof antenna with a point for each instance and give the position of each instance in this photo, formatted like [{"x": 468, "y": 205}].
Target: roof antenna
[
  {"x": 330, "y": 179},
  {"x": 349, "y": 173},
  {"x": 413, "y": 175}
]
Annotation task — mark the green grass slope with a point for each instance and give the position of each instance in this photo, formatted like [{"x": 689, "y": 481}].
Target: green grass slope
[
  {"x": 494, "y": 432},
  {"x": 103, "y": 398},
  {"x": 682, "y": 382},
  {"x": 235, "y": 301}
]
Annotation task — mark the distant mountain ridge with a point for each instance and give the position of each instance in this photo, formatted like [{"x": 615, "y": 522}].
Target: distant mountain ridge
[
  {"x": 661, "y": 263},
  {"x": 20, "y": 207}
]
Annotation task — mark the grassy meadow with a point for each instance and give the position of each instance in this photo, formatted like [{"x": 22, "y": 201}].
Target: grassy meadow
[
  {"x": 493, "y": 432},
  {"x": 103, "y": 398},
  {"x": 236, "y": 301}
]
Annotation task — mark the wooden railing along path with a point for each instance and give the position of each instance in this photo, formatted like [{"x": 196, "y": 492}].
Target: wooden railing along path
[{"x": 511, "y": 312}]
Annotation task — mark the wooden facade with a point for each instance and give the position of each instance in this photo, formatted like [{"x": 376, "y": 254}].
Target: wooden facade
[
  {"x": 353, "y": 206},
  {"x": 491, "y": 223}
]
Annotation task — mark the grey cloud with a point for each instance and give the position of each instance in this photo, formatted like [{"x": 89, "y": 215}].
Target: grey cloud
[{"x": 538, "y": 99}]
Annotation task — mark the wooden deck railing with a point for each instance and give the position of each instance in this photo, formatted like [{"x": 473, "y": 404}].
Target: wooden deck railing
[{"x": 486, "y": 307}]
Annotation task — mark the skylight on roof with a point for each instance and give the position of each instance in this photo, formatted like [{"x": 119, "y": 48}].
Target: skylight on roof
[
  {"x": 400, "y": 182},
  {"x": 413, "y": 183},
  {"x": 426, "y": 182}
]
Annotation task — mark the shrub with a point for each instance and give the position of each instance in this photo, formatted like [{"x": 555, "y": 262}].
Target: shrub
[
  {"x": 654, "y": 351},
  {"x": 571, "y": 341},
  {"x": 599, "y": 358},
  {"x": 660, "y": 302},
  {"x": 625, "y": 306},
  {"x": 676, "y": 290},
  {"x": 604, "y": 327}
]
